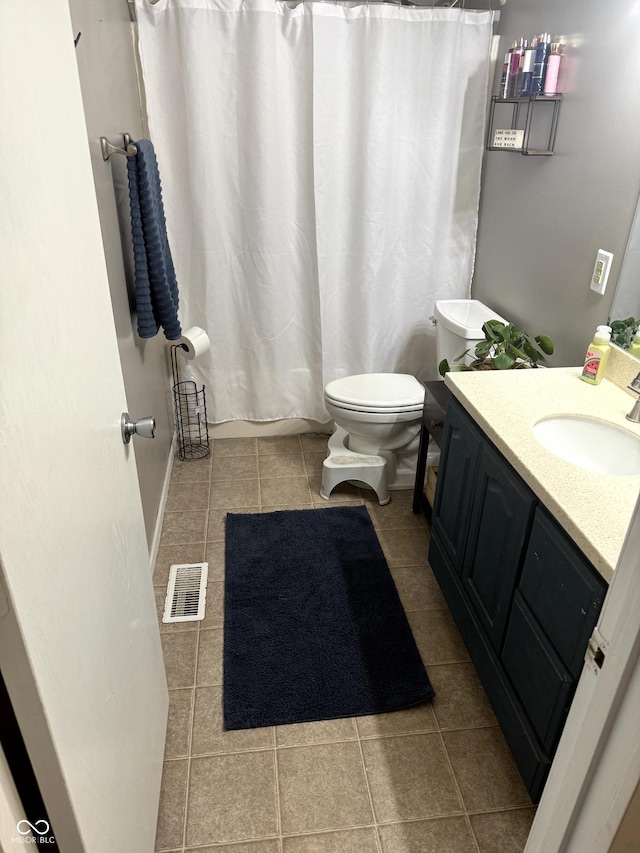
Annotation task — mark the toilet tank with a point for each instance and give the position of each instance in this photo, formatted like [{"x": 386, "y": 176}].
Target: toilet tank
[{"x": 459, "y": 327}]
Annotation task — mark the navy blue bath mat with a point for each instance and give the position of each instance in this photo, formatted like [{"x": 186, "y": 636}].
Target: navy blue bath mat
[{"x": 313, "y": 626}]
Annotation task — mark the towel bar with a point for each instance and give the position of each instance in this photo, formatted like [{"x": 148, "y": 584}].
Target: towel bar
[{"x": 108, "y": 149}]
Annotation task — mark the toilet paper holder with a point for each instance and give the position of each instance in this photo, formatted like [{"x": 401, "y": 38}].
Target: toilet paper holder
[{"x": 190, "y": 411}]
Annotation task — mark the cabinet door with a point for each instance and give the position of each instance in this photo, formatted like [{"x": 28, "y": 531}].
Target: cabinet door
[
  {"x": 543, "y": 684},
  {"x": 500, "y": 520},
  {"x": 563, "y": 590},
  {"x": 456, "y": 480}
]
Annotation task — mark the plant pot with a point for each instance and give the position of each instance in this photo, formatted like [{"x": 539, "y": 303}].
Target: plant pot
[{"x": 487, "y": 364}]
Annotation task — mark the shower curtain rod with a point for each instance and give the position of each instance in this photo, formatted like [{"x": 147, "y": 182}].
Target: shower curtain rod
[{"x": 435, "y": 4}]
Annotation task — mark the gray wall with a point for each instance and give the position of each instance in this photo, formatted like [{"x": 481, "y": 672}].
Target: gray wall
[
  {"x": 106, "y": 62},
  {"x": 542, "y": 219}
]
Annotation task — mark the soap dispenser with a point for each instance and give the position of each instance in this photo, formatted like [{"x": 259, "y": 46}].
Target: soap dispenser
[{"x": 595, "y": 361}]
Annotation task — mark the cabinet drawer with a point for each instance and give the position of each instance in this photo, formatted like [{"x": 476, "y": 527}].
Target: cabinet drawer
[
  {"x": 542, "y": 682},
  {"x": 562, "y": 590}
]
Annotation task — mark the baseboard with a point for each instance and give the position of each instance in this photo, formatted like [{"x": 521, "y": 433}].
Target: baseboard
[
  {"x": 157, "y": 532},
  {"x": 251, "y": 429},
  {"x": 233, "y": 429}
]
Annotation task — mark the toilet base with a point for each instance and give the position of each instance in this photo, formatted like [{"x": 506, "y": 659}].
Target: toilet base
[{"x": 344, "y": 465}]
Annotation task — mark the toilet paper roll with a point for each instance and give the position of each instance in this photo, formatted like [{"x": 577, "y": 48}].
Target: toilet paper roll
[{"x": 194, "y": 342}]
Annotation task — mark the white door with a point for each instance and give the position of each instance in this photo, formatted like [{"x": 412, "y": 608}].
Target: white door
[{"x": 79, "y": 644}]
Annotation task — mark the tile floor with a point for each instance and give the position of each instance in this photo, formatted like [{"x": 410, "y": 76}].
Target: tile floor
[{"x": 436, "y": 778}]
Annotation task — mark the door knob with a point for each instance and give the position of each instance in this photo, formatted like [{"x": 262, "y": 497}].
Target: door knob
[{"x": 145, "y": 427}]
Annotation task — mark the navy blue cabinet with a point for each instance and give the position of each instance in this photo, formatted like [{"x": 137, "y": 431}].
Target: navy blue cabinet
[{"x": 523, "y": 595}]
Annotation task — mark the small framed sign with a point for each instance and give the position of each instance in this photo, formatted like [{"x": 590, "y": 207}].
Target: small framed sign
[{"x": 508, "y": 138}]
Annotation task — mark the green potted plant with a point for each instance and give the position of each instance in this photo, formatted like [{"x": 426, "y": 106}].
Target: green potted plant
[
  {"x": 622, "y": 331},
  {"x": 504, "y": 348}
]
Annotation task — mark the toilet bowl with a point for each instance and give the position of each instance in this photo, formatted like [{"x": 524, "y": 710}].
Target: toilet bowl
[{"x": 378, "y": 415}]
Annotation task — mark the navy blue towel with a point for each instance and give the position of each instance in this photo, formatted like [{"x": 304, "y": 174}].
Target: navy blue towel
[{"x": 156, "y": 284}]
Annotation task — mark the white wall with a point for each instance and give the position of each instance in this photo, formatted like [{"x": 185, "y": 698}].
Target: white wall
[
  {"x": 106, "y": 63},
  {"x": 542, "y": 219}
]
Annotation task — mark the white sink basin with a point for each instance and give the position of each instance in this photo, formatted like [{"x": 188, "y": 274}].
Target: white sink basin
[{"x": 590, "y": 443}]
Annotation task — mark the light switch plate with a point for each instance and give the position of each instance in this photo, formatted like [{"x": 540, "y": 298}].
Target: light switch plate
[{"x": 601, "y": 271}]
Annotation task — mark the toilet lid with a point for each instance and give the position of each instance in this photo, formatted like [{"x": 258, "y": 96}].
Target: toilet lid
[{"x": 377, "y": 392}]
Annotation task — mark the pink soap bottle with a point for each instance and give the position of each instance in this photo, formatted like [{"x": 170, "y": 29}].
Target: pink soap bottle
[{"x": 553, "y": 67}]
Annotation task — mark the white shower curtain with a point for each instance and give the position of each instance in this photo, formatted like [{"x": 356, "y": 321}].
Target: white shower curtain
[{"x": 321, "y": 174}]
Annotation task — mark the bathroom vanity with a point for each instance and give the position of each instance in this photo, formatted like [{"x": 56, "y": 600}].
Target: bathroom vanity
[{"x": 524, "y": 544}]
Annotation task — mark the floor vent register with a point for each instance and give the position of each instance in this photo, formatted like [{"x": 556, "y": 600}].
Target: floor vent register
[{"x": 186, "y": 593}]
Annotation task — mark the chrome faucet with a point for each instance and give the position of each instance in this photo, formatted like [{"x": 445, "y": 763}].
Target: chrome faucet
[{"x": 634, "y": 414}]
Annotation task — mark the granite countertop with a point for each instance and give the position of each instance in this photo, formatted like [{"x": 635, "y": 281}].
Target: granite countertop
[{"x": 594, "y": 509}]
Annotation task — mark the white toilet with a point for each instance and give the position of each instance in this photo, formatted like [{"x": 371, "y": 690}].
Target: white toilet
[
  {"x": 459, "y": 327},
  {"x": 378, "y": 415}
]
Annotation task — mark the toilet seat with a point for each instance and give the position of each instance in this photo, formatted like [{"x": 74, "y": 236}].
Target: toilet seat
[
  {"x": 376, "y": 393},
  {"x": 378, "y": 410}
]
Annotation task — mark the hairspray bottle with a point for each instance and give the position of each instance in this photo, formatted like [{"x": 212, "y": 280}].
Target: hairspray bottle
[
  {"x": 505, "y": 75},
  {"x": 514, "y": 68},
  {"x": 540, "y": 65},
  {"x": 526, "y": 78}
]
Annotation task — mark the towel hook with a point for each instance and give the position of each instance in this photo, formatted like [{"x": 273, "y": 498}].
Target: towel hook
[{"x": 108, "y": 149}]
